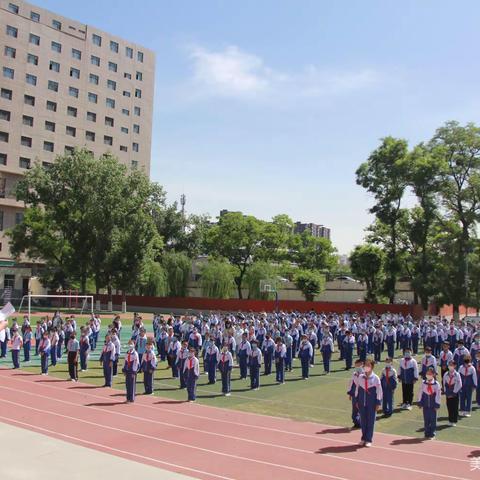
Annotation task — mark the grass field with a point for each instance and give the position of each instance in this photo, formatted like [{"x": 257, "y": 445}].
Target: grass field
[{"x": 321, "y": 399}]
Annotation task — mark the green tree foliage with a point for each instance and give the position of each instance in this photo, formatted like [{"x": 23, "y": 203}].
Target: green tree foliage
[
  {"x": 310, "y": 283},
  {"x": 258, "y": 272},
  {"x": 312, "y": 253},
  {"x": 178, "y": 267},
  {"x": 217, "y": 279}
]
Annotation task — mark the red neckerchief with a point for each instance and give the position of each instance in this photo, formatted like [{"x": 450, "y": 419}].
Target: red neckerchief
[
  {"x": 191, "y": 363},
  {"x": 450, "y": 379},
  {"x": 387, "y": 378},
  {"x": 129, "y": 361},
  {"x": 366, "y": 384},
  {"x": 430, "y": 388},
  {"x": 223, "y": 357}
]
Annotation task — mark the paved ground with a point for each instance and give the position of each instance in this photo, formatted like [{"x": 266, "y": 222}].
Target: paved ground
[{"x": 52, "y": 459}]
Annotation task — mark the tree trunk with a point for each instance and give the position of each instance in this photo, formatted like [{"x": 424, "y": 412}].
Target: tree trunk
[
  {"x": 83, "y": 284},
  {"x": 456, "y": 311},
  {"x": 124, "y": 301}
]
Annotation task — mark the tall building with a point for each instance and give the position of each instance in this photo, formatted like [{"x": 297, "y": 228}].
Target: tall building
[
  {"x": 313, "y": 228},
  {"x": 65, "y": 84}
]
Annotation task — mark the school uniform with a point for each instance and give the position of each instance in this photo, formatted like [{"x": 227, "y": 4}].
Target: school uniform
[
  {"x": 429, "y": 400},
  {"x": 182, "y": 356},
  {"x": 255, "y": 363},
  {"x": 244, "y": 352},
  {"x": 362, "y": 346},
  {"x": 118, "y": 347},
  {"x": 73, "y": 347},
  {"x": 84, "y": 350},
  {"x": 369, "y": 395},
  {"x": 173, "y": 349},
  {"x": 326, "y": 348},
  {"x": 161, "y": 341},
  {"x": 15, "y": 348},
  {"x": 408, "y": 375},
  {"x": 390, "y": 339},
  {"x": 445, "y": 358},
  {"x": 279, "y": 354},
  {"x": 452, "y": 338},
  {"x": 141, "y": 346},
  {"x": 389, "y": 382},
  {"x": 53, "y": 348},
  {"x": 377, "y": 340},
  {"x": 452, "y": 385},
  {"x": 428, "y": 361},
  {"x": 476, "y": 364},
  {"x": 107, "y": 358},
  {"x": 27, "y": 345},
  {"x": 211, "y": 360},
  {"x": 130, "y": 369},
  {"x": 305, "y": 353},
  {"x": 351, "y": 392},
  {"x": 191, "y": 372},
  {"x": 414, "y": 339},
  {"x": 313, "y": 339},
  {"x": 267, "y": 350},
  {"x": 289, "y": 354},
  {"x": 39, "y": 330},
  {"x": 469, "y": 384},
  {"x": 459, "y": 354},
  {"x": 44, "y": 352},
  {"x": 348, "y": 345},
  {"x": 148, "y": 367},
  {"x": 195, "y": 341}
]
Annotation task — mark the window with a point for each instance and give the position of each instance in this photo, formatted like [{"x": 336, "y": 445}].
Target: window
[
  {"x": 56, "y": 25},
  {"x": 53, "y": 86},
  {"x": 71, "y": 111},
  {"x": 127, "y": 75},
  {"x": 109, "y": 122},
  {"x": 54, "y": 66},
  {"x": 1, "y": 223},
  {"x": 113, "y": 46},
  {"x": 26, "y": 142},
  {"x": 76, "y": 54},
  {"x": 111, "y": 85},
  {"x": 18, "y": 220},
  {"x": 124, "y": 129},
  {"x": 50, "y": 126},
  {"x": 134, "y": 164},
  {"x": 140, "y": 56},
  {"x": 73, "y": 92},
  {"x": 138, "y": 93},
  {"x": 32, "y": 59},
  {"x": 110, "y": 103},
  {"x": 74, "y": 72},
  {"x": 47, "y": 165},
  {"x": 35, "y": 17},
  {"x": 5, "y": 93},
  {"x": 93, "y": 79},
  {"x": 135, "y": 147},
  {"x": 29, "y": 100},
  {"x": 95, "y": 60},
  {"x": 12, "y": 31},
  {"x": 8, "y": 72},
  {"x": 136, "y": 128},
  {"x": 126, "y": 93},
  {"x": 128, "y": 52},
  {"x": 69, "y": 149},
  {"x": 91, "y": 117},
  {"x": 3, "y": 158},
  {"x": 48, "y": 146},
  {"x": 125, "y": 111},
  {"x": 139, "y": 76},
  {"x": 107, "y": 140},
  {"x": 24, "y": 162},
  {"x": 31, "y": 79},
  {"x": 97, "y": 40},
  {"x": 10, "y": 52},
  {"x": 72, "y": 131},
  {"x": 136, "y": 111},
  {"x": 13, "y": 8},
  {"x": 90, "y": 136},
  {"x": 4, "y": 137},
  {"x": 27, "y": 121},
  {"x": 123, "y": 148},
  {"x": 112, "y": 66},
  {"x": 5, "y": 115},
  {"x": 34, "y": 39},
  {"x": 92, "y": 97},
  {"x": 57, "y": 47},
  {"x": 52, "y": 106}
]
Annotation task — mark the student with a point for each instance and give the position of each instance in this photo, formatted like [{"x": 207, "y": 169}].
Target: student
[
  {"x": 130, "y": 369},
  {"x": 27, "y": 344},
  {"x": 182, "y": 356},
  {"x": 469, "y": 383},
  {"x": 141, "y": 344},
  {"x": 73, "y": 346},
  {"x": 348, "y": 345},
  {"x": 118, "y": 347},
  {"x": 389, "y": 383},
  {"x": 84, "y": 350},
  {"x": 174, "y": 347},
  {"x": 362, "y": 346},
  {"x": 352, "y": 387},
  {"x": 53, "y": 346},
  {"x": 460, "y": 352},
  {"x": 161, "y": 339},
  {"x": 289, "y": 346},
  {"x": 191, "y": 372},
  {"x": 445, "y": 358},
  {"x": 148, "y": 367},
  {"x": 390, "y": 339},
  {"x": 429, "y": 400},
  {"x": 17, "y": 344},
  {"x": 369, "y": 398},
  {"x": 244, "y": 352},
  {"x": 279, "y": 355},
  {"x": 428, "y": 362},
  {"x": 267, "y": 349},
  {"x": 415, "y": 336},
  {"x": 44, "y": 352},
  {"x": 305, "y": 353},
  {"x": 476, "y": 363},
  {"x": 107, "y": 358},
  {"x": 225, "y": 366},
  {"x": 38, "y": 336},
  {"x": 377, "y": 340},
  {"x": 206, "y": 343},
  {"x": 408, "y": 375},
  {"x": 255, "y": 363},
  {"x": 211, "y": 360},
  {"x": 452, "y": 384},
  {"x": 326, "y": 348}
]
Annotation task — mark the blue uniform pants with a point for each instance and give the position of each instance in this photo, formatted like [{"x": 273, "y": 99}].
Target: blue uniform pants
[
  {"x": 131, "y": 384},
  {"x": 288, "y": 359},
  {"x": 355, "y": 414},
  {"x": 377, "y": 352},
  {"x": 268, "y": 362},
  {"x": 305, "y": 366},
  {"x": 181, "y": 373},
  {"x": 148, "y": 382},
  {"x": 466, "y": 398},
  {"x": 226, "y": 381},
  {"x": 107, "y": 373},
  {"x": 348, "y": 352},
  {"x": 243, "y": 361},
  {"x": 279, "y": 370},
  {"x": 212, "y": 369},
  {"x": 391, "y": 349},
  {"x": 368, "y": 416},
  {"x": 387, "y": 402},
  {"x": 191, "y": 384},
  {"x": 254, "y": 376},
  {"x": 26, "y": 351},
  {"x": 430, "y": 421},
  {"x": 44, "y": 362},
  {"x": 326, "y": 361},
  {"x": 15, "y": 358},
  {"x": 83, "y": 361},
  {"x": 53, "y": 356}
]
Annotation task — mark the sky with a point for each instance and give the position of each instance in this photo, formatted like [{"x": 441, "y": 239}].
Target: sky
[{"x": 269, "y": 106}]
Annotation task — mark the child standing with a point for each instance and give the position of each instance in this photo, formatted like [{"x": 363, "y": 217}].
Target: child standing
[
  {"x": 244, "y": 351},
  {"x": 141, "y": 344},
  {"x": 211, "y": 360},
  {"x": 348, "y": 346},
  {"x": 428, "y": 362},
  {"x": 255, "y": 362},
  {"x": 182, "y": 356},
  {"x": 326, "y": 347},
  {"x": 191, "y": 372},
  {"x": 469, "y": 383},
  {"x": 352, "y": 387},
  {"x": 106, "y": 360},
  {"x": 17, "y": 343},
  {"x": 225, "y": 366},
  {"x": 44, "y": 352},
  {"x": 279, "y": 355},
  {"x": 27, "y": 344},
  {"x": 130, "y": 369},
  {"x": 148, "y": 367},
  {"x": 445, "y": 358},
  {"x": 408, "y": 375},
  {"x": 477, "y": 369},
  {"x": 429, "y": 400},
  {"x": 267, "y": 349},
  {"x": 452, "y": 384},
  {"x": 389, "y": 383},
  {"x": 305, "y": 353},
  {"x": 84, "y": 350},
  {"x": 73, "y": 347},
  {"x": 173, "y": 349}
]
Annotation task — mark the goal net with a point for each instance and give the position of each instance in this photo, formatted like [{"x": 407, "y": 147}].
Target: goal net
[{"x": 67, "y": 304}]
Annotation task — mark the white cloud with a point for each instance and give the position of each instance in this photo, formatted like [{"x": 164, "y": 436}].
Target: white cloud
[{"x": 232, "y": 72}]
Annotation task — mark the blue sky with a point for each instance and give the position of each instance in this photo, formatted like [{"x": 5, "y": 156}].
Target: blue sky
[{"x": 269, "y": 106}]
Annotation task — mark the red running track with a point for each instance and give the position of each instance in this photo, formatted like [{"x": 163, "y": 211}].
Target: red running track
[{"x": 211, "y": 443}]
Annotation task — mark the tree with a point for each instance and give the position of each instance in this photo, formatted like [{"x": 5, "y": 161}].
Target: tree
[
  {"x": 217, "y": 279},
  {"x": 384, "y": 176},
  {"x": 367, "y": 263},
  {"x": 312, "y": 253},
  {"x": 310, "y": 283},
  {"x": 178, "y": 267},
  {"x": 238, "y": 239},
  {"x": 258, "y": 272},
  {"x": 154, "y": 282}
]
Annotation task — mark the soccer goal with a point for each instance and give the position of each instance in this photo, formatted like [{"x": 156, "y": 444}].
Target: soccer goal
[{"x": 65, "y": 303}]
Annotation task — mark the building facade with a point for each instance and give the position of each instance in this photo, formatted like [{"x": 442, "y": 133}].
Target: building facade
[
  {"x": 313, "y": 228},
  {"x": 66, "y": 85}
]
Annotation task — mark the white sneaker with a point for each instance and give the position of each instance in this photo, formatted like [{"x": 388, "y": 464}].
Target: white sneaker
[
  {"x": 368, "y": 444},
  {"x": 468, "y": 415},
  {"x": 227, "y": 394},
  {"x": 409, "y": 407},
  {"x": 403, "y": 406}
]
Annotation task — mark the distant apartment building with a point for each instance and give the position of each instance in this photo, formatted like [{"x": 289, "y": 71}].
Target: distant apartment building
[
  {"x": 313, "y": 228},
  {"x": 63, "y": 85}
]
